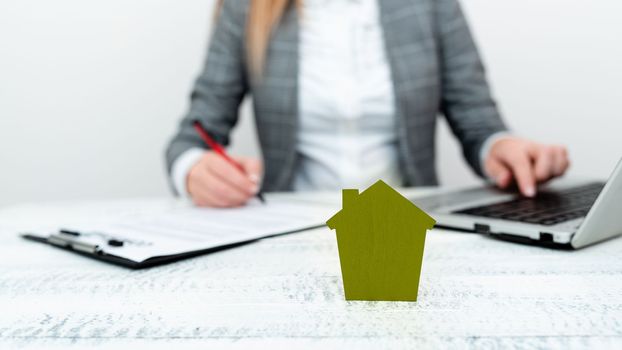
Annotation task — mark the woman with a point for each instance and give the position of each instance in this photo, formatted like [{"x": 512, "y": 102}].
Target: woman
[{"x": 346, "y": 92}]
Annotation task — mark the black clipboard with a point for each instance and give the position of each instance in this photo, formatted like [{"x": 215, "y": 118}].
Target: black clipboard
[{"x": 102, "y": 255}]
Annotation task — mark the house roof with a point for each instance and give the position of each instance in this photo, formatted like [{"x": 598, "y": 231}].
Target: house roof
[{"x": 374, "y": 192}]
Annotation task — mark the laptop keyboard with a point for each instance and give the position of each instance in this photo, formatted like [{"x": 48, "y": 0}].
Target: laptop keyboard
[{"x": 547, "y": 208}]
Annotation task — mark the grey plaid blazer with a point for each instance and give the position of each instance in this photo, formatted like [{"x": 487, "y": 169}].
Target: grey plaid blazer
[{"x": 435, "y": 68}]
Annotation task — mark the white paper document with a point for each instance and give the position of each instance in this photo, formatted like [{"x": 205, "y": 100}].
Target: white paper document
[{"x": 183, "y": 229}]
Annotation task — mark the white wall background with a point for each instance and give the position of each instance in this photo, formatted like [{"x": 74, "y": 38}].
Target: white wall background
[{"x": 90, "y": 91}]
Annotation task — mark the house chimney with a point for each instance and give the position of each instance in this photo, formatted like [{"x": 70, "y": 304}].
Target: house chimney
[{"x": 349, "y": 196}]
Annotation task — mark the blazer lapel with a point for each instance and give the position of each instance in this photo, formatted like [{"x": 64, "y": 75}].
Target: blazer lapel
[
  {"x": 408, "y": 37},
  {"x": 276, "y": 101}
]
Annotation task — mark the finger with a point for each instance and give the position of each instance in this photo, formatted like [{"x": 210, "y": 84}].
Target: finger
[
  {"x": 223, "y": 193},
  {"x": 206, "y": 199},
  {"x": 199, "y": 200},
  {"x": 522, "y": 170},
  {"x": 545, "y": 161},
  {"x": 198, "y": 188},
  {"x": 561, "y": 162},
  {"x": 498, "y": 172},
  {"x": 253, "y": 168},
  {"x": 230, "y": 174},
  {"x": 218, "y": 202},
  {"x": 207, "y": 189}
]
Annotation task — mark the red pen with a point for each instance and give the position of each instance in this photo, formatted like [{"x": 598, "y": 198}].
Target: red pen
[{"x": 216, "y": 147}]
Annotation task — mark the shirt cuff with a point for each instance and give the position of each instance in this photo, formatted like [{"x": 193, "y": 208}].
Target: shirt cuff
[
  {"x": 181, "y": 168},
  {"x": 486, "y": 146}
]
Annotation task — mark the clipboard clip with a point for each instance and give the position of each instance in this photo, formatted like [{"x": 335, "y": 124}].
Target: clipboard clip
[{"x": 68, "y": 241}]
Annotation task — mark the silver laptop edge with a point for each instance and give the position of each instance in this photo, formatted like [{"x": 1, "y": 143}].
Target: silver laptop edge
[{"x": 603, "y": 221}]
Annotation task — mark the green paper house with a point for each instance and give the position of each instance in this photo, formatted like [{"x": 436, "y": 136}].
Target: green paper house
[{"x": 380, "y": 236}]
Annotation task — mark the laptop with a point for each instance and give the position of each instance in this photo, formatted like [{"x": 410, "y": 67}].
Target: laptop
[{"x": 564, "y": 214}]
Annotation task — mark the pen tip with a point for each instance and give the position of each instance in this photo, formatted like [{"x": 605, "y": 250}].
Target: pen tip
[{"x": 261, "y": 197}]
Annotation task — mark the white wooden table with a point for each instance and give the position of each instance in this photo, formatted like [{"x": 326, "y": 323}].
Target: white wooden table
[{"x": 287, "y": 292}]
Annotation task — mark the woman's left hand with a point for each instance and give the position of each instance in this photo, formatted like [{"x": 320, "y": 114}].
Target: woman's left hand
[{"x": 527, "y": 163}]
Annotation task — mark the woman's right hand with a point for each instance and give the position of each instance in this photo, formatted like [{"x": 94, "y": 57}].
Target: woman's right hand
[{"x": 214, "y": 182}]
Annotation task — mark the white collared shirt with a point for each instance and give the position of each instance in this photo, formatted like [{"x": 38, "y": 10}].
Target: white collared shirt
[{"x": 347, "y": 134}]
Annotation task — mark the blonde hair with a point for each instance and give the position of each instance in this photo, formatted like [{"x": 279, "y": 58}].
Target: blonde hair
[{"x": 264, "y": 16}]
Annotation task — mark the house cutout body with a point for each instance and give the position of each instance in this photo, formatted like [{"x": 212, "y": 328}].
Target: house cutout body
[{"x": 380, "y": 236}]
